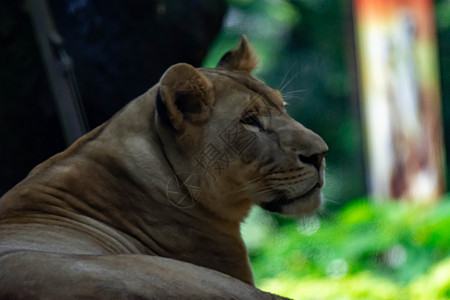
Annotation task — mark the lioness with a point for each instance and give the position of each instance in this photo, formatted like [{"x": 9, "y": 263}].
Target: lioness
[{"x": 149, "y": 204}]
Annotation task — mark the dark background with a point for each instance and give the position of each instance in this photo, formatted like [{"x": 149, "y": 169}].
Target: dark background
[{"x": 119, "y": 48}]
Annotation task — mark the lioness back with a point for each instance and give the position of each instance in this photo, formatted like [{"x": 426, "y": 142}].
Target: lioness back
[{"x": 149, "y": 204}]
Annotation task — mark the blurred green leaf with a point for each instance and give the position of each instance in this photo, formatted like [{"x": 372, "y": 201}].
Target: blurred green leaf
[
  {"x": 370, "y": 246},
  {"x": 443, "y": 14}
]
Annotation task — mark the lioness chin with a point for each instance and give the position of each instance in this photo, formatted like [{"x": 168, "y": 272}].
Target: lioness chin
[{"x": 149, "y": 204}]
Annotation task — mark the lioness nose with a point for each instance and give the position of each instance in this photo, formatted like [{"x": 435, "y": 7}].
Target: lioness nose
[{"x": 315, "y": 160}]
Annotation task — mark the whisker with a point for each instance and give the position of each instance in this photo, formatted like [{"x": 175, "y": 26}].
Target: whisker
[
  {"x": 288, "y": 82},
  {"x": 265, "y": 190},
  {"x": 293, "y": 92},
  {"x": 243, "y": 187},
  {"x": 286, "y": 76},
  {"x": 293, "y": 95}
]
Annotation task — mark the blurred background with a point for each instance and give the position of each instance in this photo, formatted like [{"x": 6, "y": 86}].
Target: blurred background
[{"x": 371, "y": 77}]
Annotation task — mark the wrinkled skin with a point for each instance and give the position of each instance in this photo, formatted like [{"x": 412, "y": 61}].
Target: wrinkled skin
[{"x": 149, "y": 204}]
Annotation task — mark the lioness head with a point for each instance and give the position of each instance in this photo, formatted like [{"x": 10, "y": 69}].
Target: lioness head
[{"x": 231, "y": 143}]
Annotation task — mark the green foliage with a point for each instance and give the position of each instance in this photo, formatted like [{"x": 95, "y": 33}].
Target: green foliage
[
  {"x": 388, "y": 250},
  {"x": 265, "y": 22},
  {"x": 443, "y": 14}
]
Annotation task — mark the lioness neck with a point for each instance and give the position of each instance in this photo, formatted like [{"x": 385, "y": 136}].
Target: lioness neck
[{"x": 116, "y": 177}]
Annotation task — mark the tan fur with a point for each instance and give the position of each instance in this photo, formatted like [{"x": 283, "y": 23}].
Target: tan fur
[
  {"x": 149, "y": 204},
  {"x": 242, "y": 58},
  {"x": 184, "y": 79}
]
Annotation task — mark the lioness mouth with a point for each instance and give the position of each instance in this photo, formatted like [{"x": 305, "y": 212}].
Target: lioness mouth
[{"x": 282, "y": 200}]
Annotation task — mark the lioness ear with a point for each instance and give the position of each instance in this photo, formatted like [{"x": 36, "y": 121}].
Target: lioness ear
[
  {"x": 186, "y": 95},
  {"x": 241, "y": 58}
]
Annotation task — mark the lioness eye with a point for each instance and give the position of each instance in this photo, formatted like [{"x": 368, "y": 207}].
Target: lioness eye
[{"x": 252, "y": 120}]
